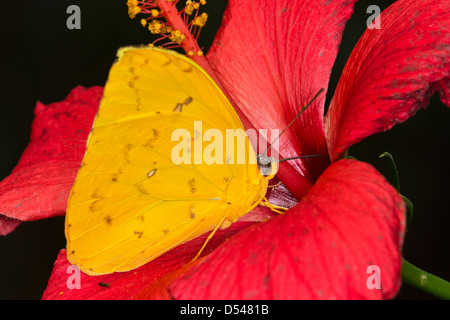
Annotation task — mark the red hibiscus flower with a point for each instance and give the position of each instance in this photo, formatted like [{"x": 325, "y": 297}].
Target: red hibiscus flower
[{"x": 344, "y": 219}]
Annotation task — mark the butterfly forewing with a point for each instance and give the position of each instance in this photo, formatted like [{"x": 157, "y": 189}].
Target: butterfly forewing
[{"x": 130, "y": 201}]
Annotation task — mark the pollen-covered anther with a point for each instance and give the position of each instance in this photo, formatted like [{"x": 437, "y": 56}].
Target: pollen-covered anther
[
  {"x": 156, "y": 27},
  {"x": 176, "y": 36},
  {"x": 133, "y": 8},
  {"x": 170, "y": 24},
  {"x": 154, "y": 13},
  {"x": 189, "y": 9},
  {"x": 167, "y": 29},
  {"x": 200, "y": 20}
]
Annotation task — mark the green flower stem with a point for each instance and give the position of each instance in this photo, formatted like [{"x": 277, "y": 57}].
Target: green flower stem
[
  {"x": 425, "y": 281},
  {"x": 394, "y": 170}
]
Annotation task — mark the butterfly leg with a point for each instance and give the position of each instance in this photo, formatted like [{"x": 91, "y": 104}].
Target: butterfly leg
[
  {"x": 209, "y": 238},
  {"x": 275, "y": 185},
  {"x": 274, "y": 208}
]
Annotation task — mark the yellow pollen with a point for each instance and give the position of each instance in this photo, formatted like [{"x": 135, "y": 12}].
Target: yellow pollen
[
  {"x": 155, "y": 13},
  {"x": 133, "y": 10},
  {"x": 167, "y": 29},
  {"x": 200, "y": 20},
  {"x": 189, "y": 8},
  {"x": 176, "y": 36},
  {"x": 155, "y": 27},
  {"x": 190, "y": 53}
]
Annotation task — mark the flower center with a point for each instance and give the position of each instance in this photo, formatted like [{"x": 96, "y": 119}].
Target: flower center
[{"x": 173, "y": 26}]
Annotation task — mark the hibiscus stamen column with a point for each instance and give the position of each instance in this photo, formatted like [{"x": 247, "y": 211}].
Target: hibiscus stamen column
[{"x": 180, "y": 28}]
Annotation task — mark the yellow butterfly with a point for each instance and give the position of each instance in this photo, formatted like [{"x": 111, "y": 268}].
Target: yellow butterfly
[{"x": 131, "y": 202}]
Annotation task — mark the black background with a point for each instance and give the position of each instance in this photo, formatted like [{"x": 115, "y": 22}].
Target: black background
[{"x": 41, "y": 60}]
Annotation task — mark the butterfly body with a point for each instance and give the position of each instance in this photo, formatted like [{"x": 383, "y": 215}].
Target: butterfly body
[{"x": 131, "y": 202}]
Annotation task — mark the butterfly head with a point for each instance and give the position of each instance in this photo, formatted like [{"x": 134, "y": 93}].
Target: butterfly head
[{"x": 268, "y": 166}]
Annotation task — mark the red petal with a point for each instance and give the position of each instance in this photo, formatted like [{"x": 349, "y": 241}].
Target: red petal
[
  {"x": 157, "y": 288},
  {"x": 120, "y": 286},
  {"x": 320, "y": 249},
  {"x": 150, "y": 281},
  {"x": 147, "y": 282},
  {"x": 272, "y": 57},
  {"x": 279, "y": 195},
  {"x": 391, "y": 72},
  {"x": 39, "y": 185},
  {"x": 8, "y": 225}
]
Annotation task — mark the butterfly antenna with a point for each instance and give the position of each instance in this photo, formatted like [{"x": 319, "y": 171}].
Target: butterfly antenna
[
  {"x": 295, "y": 118},
  {"x": 303, "y": 157}
]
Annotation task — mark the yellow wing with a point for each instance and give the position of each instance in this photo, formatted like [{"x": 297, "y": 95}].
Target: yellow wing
[{"x": 131, "y": 202}]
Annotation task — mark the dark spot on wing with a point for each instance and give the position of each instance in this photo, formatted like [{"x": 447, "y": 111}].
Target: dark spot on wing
[
  {"x": 108, "y": 220},
  {"x": 191, "y": 213},
  {"x": 155, "y": 133},
  {"x": 126, "y": 151},
  {"x": 178, "y": 107},
  {"x": 115, "y": 177},
  {"x": 151, "y": 142},
  {"x": 93, "y": 206},
  {"x": 96, "y": 195},
  {"x": 138, "y": 233},
  {"x": 192, "y": 187}
]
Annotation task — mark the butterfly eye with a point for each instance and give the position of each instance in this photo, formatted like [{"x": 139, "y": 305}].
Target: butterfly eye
[{"x": 267, "y": 165}]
